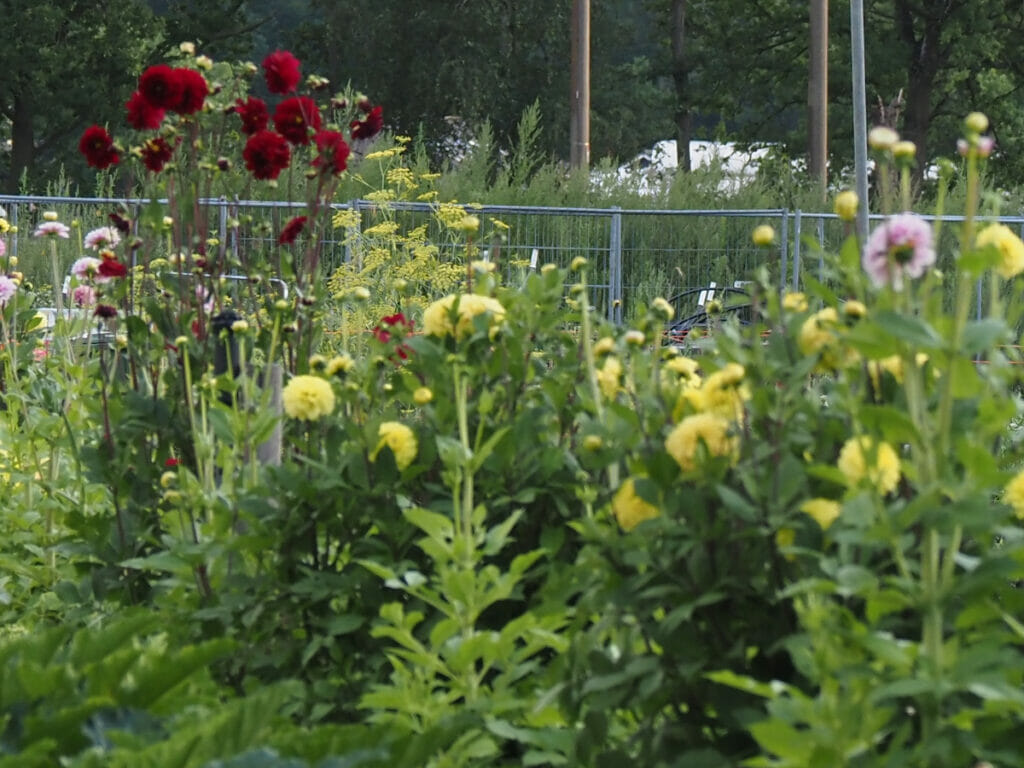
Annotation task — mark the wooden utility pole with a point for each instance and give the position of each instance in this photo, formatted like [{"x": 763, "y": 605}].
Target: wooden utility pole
[
  {"x": 817, "y": 96},
  {"x": 579, "y": 129}
]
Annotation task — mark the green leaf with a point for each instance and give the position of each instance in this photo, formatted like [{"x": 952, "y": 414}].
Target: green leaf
[{"x": 783, "y": 740}]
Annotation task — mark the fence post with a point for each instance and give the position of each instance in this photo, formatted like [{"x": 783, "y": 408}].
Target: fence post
[
  {"x": 784, "y": 253},
  {"x": 797, "y": 232},
  {"x": 13, "y": 221},
  {"x": 615, "y": 267},
  {"x": 352, "y": 233}
]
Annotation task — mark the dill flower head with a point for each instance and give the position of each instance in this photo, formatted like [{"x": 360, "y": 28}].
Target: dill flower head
[
  {"x": 708, "y": 429},
  {"x": 1010, "y": 247},
  {"x": 400, "y": 439},
  {"x": 862, "y": 458},
  {"x": 631, "y": 510},
  {"x": 307, "y": 398}
]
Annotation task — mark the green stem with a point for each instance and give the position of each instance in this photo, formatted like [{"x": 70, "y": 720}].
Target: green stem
[
  {"x": 931, "y": 633},
  {"x": 962, "y": 305}
]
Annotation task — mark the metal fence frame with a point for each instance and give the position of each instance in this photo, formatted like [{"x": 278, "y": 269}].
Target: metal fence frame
[{"x": 798, "y": 231}]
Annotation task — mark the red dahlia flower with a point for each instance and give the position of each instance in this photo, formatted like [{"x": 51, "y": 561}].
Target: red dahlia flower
[
  {"x": 281, "y": 70},
  {"x": 155, "y": 154},
  {"x": 111, "y": 268},
  {"x": 370, "y": 125},
  {"x": 392, "y": 329},
  {"x": 98, "y": 147},
  {"x": 142, "y": 116},
  {"x": 333, "y": 152},
  {"x": 253, "y": 113},
  {"x": 105, "y": 311},
  {"x": 193, "y": 91},
  {"x": 266, "y": 154},
  {"x": 291, "y": 230},
  {"x": 161, "y": 87},
  {"x": 294, "y": 118},
  {"x": 120, "y": 223}
]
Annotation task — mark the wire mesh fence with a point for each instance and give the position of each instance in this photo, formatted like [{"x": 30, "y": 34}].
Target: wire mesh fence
[{"x": 634, "y": 255}]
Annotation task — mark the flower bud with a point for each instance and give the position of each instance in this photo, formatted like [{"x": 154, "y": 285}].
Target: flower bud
[
  {"x": 976, "y": 122},
  {"x": 904, "y": 149},
  {"x": 578, "y": 263},
  {"x": 882, "y": 137},
  {"x": 662, "y": 308},
  {"x": 204, "y": 62},
  {"x": 634, "y": 338},
  {"x": 763, "y": 235},
  {"x": 50, "y": 215},
  {"x": 846, "y": 205},
  {"x": 593, "y": 443},
  {"x": 360, "y": 293},
  {"x": 422, "y": 396},
  {"x": 189, "y": 49},
  {"x": 239, "y": 326}
]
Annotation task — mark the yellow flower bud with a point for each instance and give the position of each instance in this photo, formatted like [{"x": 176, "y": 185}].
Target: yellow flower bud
[
  {"x": 882, "y": 138},
  {"x": 976, "y": 122},
  {"x": 846, "y": 205},
  {"x": 578, "y": 263},
  {"x": 763, "y": 235},
  {"x": 50, "y": 215},
  {"x": 422, "y": 396}
]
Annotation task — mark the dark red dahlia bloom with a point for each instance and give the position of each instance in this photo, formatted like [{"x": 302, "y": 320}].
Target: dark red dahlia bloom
[
  {"x": 98, "y": 147},
  {"x": 333, "y": 152},
  {"x": 370, "y": 125},
  {"x": 105, "y": 311},
  {"x": 143, "y": 116},
  {"x": 161, "y": 87},
  {"x": 281, "y": 70},
  {"x": 294, "y": 118},
  {"x": 253, "y": 113},
  {"x": 193, "y": 91},
  {"x": 171, "y": 462},
  {"x": 266, "y": 154},
  {"x": 155, "y": 154},
  {"x": 291, "y": 230},
  {"x": 111, "y": 268},
  {"x": 121, "y": 223}
]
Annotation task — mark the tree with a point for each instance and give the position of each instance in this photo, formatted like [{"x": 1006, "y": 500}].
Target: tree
[{"x": 61, "y": 61}]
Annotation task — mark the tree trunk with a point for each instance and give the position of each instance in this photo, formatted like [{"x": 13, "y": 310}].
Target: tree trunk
[
  {"x": 925, "y": 58},
  {"x": 681, "y": 77},
  {"x": 22, "y": 143}
]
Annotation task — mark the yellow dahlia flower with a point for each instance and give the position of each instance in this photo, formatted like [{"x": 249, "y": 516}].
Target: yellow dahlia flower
[
  {"x": 438, "y": 321},
  {"x": 609, "y": 377},
  {"x": 307, "y": 398},
  {"x": 1013, "y": 495},
  {"x": 824, "y": 511},
  {"x": 1010, "y": 247},
  {"x": 631, "y": 510},
  {"x": 794, "y": 302},
  {"x": 709, "y": 429},
  {"x": 400, "y": 439},
  {"x": 862, "y": 458}
]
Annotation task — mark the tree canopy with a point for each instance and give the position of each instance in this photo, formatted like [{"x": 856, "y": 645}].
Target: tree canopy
[{"x": 731, "y": 69}]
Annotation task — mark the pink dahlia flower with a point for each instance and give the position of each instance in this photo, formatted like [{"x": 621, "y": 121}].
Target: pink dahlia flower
[
  {"x": 103, "y": 237},
  {"x": 900, "y": 246}
]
